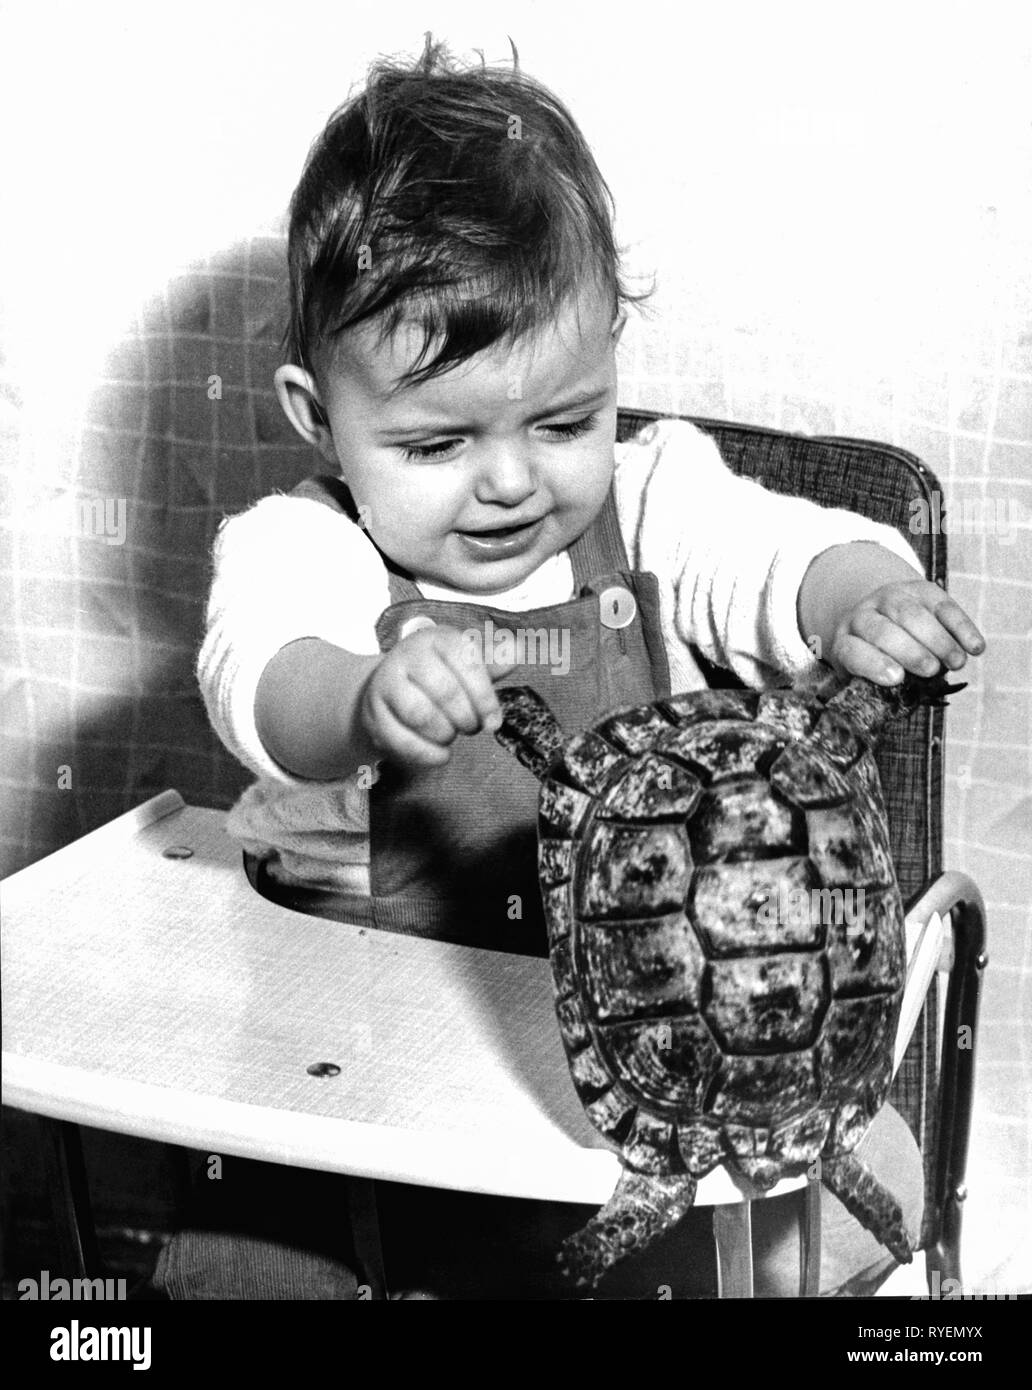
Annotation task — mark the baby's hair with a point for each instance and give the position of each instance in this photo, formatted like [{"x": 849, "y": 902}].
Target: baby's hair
[{"x": 464, "y": 200}]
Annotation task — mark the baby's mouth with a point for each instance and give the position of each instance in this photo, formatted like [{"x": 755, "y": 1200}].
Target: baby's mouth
[
  {"x": 502, "y": 530},
  {"x": 503, "y": 540}
]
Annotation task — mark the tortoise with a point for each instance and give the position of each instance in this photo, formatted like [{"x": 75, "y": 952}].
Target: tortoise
[{"x": 704, "y": 1023}]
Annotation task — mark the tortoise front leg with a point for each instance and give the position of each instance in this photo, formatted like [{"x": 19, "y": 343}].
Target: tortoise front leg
[
  {"x": 642, "y": 1207},
  {"x": 864, "y": 1197}
]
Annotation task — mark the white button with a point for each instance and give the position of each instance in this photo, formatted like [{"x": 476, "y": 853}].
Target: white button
[
  {"x": 617, "y": 607},
  {"x": 415, "y": 624}
]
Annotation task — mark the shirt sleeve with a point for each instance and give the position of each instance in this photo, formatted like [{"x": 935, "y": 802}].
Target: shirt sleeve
[
  {"x": 287, "y": 568},
  {"x": 729, "y": 555}
]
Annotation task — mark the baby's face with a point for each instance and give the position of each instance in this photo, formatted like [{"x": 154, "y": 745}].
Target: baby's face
[{"x": 473, "y": 479}]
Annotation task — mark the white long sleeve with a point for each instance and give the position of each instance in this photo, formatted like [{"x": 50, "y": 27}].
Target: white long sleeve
[
  {"x": 288, "y": 568},
  {"x": 729, "y": 555}
]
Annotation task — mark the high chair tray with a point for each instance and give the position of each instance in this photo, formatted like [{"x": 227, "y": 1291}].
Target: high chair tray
[{"x": 161, "y": 996}]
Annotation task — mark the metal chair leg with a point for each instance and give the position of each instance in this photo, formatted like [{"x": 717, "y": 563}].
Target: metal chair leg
[
  {"x": 365, "y": 1230},
  {"x": 732, "y": 1231},
  {"x": 967, "y": 915},
  {"x": 810, "y": 1240},
  {"x": 180, "y": 1170},
  {"x": 68, "y": 1187}
]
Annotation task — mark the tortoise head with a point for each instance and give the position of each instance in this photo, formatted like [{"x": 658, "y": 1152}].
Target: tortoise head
[
  {"x": 870, "y": 707},
  {"x": 529, "y": 729}
]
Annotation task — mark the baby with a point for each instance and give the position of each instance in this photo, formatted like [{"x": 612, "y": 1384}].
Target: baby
[{"x": 456, "y": 303}]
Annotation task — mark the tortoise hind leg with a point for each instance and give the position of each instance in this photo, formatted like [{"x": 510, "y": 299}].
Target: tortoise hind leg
[
  {"x": 642, "y": 1207},
  {"x": 865, "y": 1198}
]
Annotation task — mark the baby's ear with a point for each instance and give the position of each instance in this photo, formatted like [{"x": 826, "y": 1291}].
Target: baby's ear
[{"x": 299, "y": 397}]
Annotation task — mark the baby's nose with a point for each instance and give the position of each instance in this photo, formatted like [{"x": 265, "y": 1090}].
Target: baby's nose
[{"x": 507, "y": 477}]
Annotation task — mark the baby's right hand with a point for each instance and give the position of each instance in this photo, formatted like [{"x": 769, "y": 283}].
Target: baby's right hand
[{"x": 427, "y": 690}]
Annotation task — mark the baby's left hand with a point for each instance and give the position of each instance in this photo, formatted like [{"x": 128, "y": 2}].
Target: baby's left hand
[{"x": 904, "y": 626}]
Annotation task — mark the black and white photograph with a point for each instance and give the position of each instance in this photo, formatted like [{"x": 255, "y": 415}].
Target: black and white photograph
[{"x": 517, "y": 599}]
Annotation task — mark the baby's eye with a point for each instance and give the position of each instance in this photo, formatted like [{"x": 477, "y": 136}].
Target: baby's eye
[
  {"x": 572, "y": 429},
  {"x": 429, "y": 453},
  {"x": 444, "y": 448}
]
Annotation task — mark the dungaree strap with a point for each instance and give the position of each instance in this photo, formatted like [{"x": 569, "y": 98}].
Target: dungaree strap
[
  {"x": 601, "y": 549},
  {"x": 330, "y": 491},
  {"x": 402, "y": 588}
]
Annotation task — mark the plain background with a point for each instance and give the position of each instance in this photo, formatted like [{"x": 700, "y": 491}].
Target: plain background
[{"x": 835, "y": 202}]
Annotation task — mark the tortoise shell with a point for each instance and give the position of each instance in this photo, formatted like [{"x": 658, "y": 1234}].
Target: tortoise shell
[
  {"x": 726, "y": 940},
  {"x": 717, "y": 997}
]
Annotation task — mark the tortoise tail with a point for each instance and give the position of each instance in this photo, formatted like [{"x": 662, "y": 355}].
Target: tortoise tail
[
  {"x": 874, "y": 1207},
  {"x": 641, "y": 1208},
  {"x": 529, "y": 729}
]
